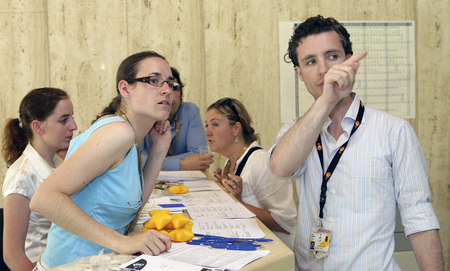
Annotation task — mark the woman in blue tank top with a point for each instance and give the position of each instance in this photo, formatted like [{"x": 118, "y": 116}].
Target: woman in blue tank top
[{"x": 94, "y": 196}]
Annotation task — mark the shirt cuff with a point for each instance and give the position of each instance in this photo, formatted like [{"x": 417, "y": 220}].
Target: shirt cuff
[
  {"x": 419, "y": 218},
  {"x": 171, "y": 164}
]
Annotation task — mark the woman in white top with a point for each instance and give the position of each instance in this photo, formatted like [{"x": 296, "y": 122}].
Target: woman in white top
[
  {"x": 30, "y": 142},
  {"x": 245, "y": 175}
]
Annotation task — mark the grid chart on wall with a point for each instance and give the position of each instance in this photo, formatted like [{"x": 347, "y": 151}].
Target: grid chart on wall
[{"x": 385, "y": 78}]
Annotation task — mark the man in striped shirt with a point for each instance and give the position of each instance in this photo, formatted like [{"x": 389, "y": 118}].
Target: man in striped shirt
[{"x": 353, "y": 165}]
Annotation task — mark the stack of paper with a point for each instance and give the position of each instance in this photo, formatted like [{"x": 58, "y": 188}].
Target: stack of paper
[
  {"x": 196, "y": 186},
  {"x": 173, "y": 203},
  {"x": 155, "y": 263},
  {"x": 208, "y": 198},
  {"x": 219, "y": 211},
  {"x": 192, "y": 256},
  {"x": 214, "y": 212},
  {"x": 233, "y": 228},
  {"x": 175, "y": 176}
]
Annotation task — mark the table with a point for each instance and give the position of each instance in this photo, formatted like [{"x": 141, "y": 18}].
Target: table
[{"x": 281, "y": 258}]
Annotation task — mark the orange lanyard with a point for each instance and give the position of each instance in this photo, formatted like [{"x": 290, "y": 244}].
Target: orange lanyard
[
  {"x": 177, "y": 130},
  {"x": 335, "y": 161}
]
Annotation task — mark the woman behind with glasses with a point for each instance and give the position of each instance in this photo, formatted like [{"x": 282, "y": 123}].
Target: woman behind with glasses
[
  {"x": 188, "y": 134},
  {"x": 94, "y": 196},
  {"x": 30, "y": 143},
  {"x": 245, "y": 175}
]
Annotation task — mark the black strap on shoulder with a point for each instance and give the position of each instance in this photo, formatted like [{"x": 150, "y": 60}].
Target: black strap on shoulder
[{"x": 244, "y": 160}]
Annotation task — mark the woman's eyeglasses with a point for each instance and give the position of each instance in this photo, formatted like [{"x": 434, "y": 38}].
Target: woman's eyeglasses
[
  {"x": 156, "y": 81},
  {"x": 229, "y": 103}
]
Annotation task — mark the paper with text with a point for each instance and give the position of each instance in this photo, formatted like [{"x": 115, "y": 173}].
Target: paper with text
[
  {"x": 207, "y": 197},
  {"x": 155, "y": 263},
  {"x": 195, "y": 186},
  {"x": 174, "y": 176},
  {"x": 211, "y": 257},
  {"x": 219, "y": 211},
  {"x": 238, "y": 228}
]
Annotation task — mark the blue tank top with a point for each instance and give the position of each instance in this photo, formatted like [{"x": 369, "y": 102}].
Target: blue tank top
[{"x": 112, "y": 199}]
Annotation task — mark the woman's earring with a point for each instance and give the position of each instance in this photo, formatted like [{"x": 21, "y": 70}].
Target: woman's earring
[{"x": 236, "y": 140}]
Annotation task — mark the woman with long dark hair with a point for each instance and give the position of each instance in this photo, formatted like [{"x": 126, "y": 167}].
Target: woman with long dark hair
[
  {"x": 94, "y": 196},
  {"x": 30, "y": 142}
]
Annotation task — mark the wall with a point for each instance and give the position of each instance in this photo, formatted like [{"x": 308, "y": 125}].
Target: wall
[{"x": 222, "y": 48}]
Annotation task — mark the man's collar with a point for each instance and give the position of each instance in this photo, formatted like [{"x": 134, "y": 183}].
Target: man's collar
[{"x": 352, "y": 111}]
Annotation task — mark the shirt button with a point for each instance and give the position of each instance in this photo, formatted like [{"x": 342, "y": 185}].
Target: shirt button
[
  {"x": 331, "y": 220},
  {"x": 333, "y": 191}
]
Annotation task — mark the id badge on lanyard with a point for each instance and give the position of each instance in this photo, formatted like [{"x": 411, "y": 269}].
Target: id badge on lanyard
[
  {"x": 320, "y": 241},
  {"x": 320, "y": 237}
]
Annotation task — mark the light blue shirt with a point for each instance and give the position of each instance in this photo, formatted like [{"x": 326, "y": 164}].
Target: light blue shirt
[
  {"x": 191, "y": 137},
  {"x": 113, "y": 199},
  {"x": 382, "y": 166}
]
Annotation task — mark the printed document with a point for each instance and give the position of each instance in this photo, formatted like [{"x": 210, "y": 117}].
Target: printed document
[
  {"x": 219, "y": 211},
  {"x": 195, "y": 186},
  {"x": 207, "y": 197},
  {"x": 237, "y": 228},
  {"x": 212, "y": 257},
  {"x": 155, "y": 263},
  {"x": 187, "y": 175}
]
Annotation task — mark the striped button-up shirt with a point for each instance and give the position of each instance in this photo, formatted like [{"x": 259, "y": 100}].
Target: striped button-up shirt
[{"x": 383, "y": 165}]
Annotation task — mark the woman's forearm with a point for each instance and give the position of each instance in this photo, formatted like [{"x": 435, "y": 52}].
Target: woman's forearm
[
  {"x": 16, "y": 218},
  {"x": 152, "y": 168}
]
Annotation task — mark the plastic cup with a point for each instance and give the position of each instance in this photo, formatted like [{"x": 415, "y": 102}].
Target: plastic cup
[{"x": 203, "y": 149}]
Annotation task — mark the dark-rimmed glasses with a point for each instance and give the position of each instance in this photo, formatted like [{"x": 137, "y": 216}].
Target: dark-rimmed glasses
[
  {"x": 229, "y": 102},
  {"x": 156, "y": 81}
]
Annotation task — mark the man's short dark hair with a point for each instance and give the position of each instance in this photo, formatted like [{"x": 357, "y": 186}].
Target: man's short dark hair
[
  {"x": 317, "y": 25},
  {"x": 176, "y": 76}
]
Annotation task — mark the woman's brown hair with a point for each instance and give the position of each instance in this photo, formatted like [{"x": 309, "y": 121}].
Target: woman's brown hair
[
  {"x": 127, "y": 70},
  {"x": 235, "y": 111},
  {"x": 38, "y": 104}
]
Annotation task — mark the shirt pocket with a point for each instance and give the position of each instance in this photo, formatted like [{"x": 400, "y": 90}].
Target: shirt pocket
[{"x": 371, "y": 190}]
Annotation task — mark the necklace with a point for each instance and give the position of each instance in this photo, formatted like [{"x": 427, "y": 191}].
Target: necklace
[
  {"x": 226, "y": 170},
  {"x": 121, "y": 114}
]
